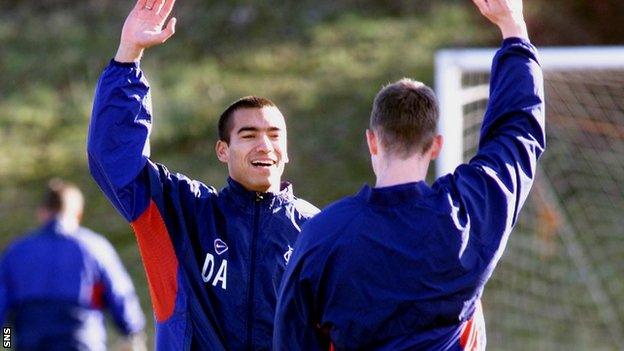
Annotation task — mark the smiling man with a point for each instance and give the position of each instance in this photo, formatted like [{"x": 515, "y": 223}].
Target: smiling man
[
  {"x": 252, "y": 141},
  {"x": 214, "y": 260}
]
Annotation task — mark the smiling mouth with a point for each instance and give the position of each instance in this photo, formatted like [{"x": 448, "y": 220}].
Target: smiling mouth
[{"x": 263, "y": 163}]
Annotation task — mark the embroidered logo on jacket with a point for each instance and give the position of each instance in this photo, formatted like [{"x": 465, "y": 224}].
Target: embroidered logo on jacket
[
  {"x": 287, "y": 254},
  {"x": 220, "y": 246}
]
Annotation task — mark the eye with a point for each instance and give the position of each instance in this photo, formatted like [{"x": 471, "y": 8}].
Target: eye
[
  {"x": 274, "y": 136},
  {"x": 247, "y": 136}
]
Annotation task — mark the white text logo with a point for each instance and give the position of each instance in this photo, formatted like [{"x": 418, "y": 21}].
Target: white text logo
[{"x": 208, "y": 271}]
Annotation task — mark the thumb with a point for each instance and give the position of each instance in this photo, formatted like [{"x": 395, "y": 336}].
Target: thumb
[{"x": 168, "y": 31}]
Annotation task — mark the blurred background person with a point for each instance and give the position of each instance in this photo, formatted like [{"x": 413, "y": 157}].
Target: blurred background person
[{"x": 56, "y": 282}]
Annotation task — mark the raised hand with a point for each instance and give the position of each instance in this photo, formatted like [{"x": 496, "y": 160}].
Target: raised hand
[
  {"x": 506, "y": 14},
  {"x": 144, "y": 28}
]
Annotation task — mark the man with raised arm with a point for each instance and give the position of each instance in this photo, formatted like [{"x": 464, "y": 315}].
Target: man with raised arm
[
  {"x": 402, "y": 265},
  {"x": 214, "y": 260}
]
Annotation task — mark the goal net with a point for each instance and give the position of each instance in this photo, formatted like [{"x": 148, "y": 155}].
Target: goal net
[{"x": 560, "y": 283}]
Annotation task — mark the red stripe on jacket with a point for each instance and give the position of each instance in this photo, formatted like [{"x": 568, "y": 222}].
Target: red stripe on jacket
[
  {"x": 159, "y": 259},
  {"x": 472, "y": 334},
  {"x": 97, "y": 295}
]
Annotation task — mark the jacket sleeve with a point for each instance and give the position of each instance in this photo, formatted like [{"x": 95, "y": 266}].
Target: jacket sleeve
[
  {"x": 295, "y": 327},
  {"x": 162, "y": 207},
  {"x": 119, "y": 294},
  {"x": 487, "y": 193},
  {"x": 118, "y": 147},
  {"x": 118, "y": 140}
]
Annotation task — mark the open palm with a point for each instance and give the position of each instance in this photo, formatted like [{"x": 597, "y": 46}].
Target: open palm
[
  {"x": 506, "y": 14},
  {"x": 145, "y": 27},
  {"x": 500, "y": 10}
]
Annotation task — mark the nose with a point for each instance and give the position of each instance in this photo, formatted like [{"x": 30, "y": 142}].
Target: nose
[{"x": 264, "y": 144}]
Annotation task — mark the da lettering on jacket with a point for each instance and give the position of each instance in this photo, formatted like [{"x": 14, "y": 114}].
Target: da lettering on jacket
[{"x": 208, "y": 270}]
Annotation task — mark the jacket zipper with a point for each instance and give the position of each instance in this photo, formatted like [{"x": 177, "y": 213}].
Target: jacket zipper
[{"x": 250, "y": 295}]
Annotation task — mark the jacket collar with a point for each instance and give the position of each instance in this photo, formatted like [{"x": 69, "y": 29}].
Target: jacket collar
[
  {"x": 246, "y": 198},
  {"x": 57, "y": 226},
  {"x": 393, "y": 195}
]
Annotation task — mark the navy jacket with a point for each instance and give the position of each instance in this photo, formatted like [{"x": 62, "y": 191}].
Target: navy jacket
[
  {"x": 56, "y": 283},
  {"x": 403, "y": 267},
  {"x": 214, "y": 260}
]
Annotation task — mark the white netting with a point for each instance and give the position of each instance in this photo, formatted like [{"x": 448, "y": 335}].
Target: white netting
[{"x": 560, "y": 283}]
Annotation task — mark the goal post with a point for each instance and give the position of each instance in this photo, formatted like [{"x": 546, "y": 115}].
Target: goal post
[
  {"x": 452, "y": 64},
  {"x": 559, "y": 284}
]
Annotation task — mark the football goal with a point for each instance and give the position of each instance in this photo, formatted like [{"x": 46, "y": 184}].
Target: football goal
[{"x": 560, "y": 283}]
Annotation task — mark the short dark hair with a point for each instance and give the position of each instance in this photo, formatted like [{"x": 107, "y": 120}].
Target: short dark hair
[
  {"x": 61, "y": 196},
  {"x": 225, "y": 127},
  {"x": 405, "y": 117}
]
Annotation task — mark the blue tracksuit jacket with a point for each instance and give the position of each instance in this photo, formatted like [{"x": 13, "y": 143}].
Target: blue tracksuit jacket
[
  {"x": 403, "y": 267},
  {"x": 56, "y": 283},
  {"x": 214, "y": 260}
]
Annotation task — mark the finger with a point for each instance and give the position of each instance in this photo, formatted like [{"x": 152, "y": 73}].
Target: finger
[
  {"x": 482, "y": 5},
  {"x": 140, "y": 4},
  {"x": 158, "y": 5},
  {"x": 166, "y": 9},
  {"x": 168, "y": 31},
  {"x": 149, "y": 4}
]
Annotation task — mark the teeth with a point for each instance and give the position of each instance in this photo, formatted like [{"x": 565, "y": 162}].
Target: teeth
[{"x": 263, "y": 163}]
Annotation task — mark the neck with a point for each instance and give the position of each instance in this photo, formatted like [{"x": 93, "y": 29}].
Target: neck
[
  {"x": 395, "y": 171},
  {"x": 275, "y": 188},
  {"x": 69, "y": 223}
]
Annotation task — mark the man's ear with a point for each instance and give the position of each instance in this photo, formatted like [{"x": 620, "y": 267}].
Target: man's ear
[
  {"x": 436, "y": 146},
  {"x": 371, "y": 140},
  {"x": 223, "y": 151},
  {"x": 285, "y": 157},
  {"x": 43, "y": 215}
]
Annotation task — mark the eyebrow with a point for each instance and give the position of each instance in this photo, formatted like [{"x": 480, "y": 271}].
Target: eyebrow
[{"x": 256, "y": 129}]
